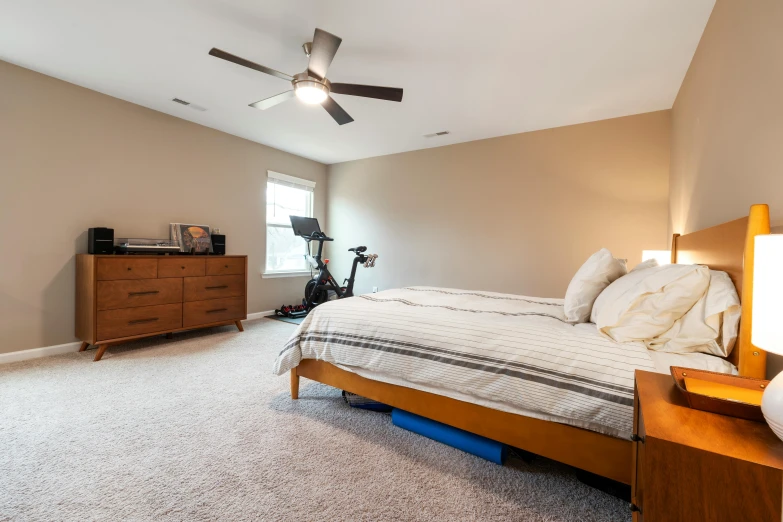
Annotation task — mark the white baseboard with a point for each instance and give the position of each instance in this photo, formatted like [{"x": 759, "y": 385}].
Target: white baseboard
[
  {"x": 259, "y": 315},
  {"x": 35, "y": 353}
]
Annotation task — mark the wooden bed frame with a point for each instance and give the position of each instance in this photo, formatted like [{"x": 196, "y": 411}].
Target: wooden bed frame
[{"x": 723, "y": 247}]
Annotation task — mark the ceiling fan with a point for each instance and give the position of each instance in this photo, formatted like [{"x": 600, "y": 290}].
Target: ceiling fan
[{"x": 311, "y": 86}]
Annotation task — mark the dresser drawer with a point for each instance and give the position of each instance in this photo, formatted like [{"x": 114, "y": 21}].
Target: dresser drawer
[
  {"x": 122, "y": 267},
  {"x": 226, "y": 266},
  {"x": 180, "y": 267},
  {"x": 140, "y": 292},
  {"x": 213, "y": 311},
  {"x": 126, "y": 322},
  {"x": 213, "y": 287}
]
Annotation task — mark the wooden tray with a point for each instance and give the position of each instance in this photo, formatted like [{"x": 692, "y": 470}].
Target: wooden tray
[{"x": 713, "y": 404}]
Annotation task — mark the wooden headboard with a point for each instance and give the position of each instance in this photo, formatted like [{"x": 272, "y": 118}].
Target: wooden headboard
[{"x": 729, "y": 248}]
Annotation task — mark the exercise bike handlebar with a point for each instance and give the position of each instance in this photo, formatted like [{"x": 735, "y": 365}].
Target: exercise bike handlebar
[{"x": 317, "y": 236}]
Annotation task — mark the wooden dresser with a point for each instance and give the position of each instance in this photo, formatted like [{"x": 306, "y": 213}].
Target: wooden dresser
[
  {"x": 693, "y": 465},
  {"x": 121, "y": 298}
]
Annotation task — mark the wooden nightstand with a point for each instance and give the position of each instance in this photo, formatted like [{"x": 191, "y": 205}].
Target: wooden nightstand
[{"x": 692, "y": 465}]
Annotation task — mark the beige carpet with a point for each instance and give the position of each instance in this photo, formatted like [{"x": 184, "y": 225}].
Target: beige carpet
[{"x": 196, "y": 428}]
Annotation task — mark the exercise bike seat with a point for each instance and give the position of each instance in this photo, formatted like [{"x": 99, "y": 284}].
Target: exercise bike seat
[{"x": 358, "y": 249}]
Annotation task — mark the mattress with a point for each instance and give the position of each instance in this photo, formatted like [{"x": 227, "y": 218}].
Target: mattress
[
  {"x": 664, "y": 361},
  {"x": 507, "y": 352}
]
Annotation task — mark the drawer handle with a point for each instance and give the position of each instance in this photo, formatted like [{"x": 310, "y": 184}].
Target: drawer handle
[
  {"x": 634, "y": 507},
  {"x": 216, "y": 310},
  {"x": 216, "y": 287},
  {"x": 637, "y": 438},
  {"x": 148, "y": 292},
  {"x": 129, "y": 269},
  {"x": 142, "y": 321}
]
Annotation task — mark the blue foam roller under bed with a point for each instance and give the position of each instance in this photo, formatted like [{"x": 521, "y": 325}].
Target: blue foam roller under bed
[{"x": 483, "y": 447}]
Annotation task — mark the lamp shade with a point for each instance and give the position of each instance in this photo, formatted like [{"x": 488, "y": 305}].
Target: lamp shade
[{"x": 767, "y": 331}]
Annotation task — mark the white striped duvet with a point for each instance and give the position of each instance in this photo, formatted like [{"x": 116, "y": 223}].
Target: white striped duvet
[{"x": 506, "y": 352}]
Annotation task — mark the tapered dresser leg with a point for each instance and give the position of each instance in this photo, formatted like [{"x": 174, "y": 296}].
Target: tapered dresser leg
[
  {"x": 169, "y": 335},
  {"x": 239, "y": 326},
  {"x": 294, "y": 384},
  {"x": 84, "y": 346},
  {"x": 100, "y": 352}
]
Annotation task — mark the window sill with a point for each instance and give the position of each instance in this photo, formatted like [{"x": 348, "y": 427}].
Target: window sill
[{"x": 272, "y": 275}]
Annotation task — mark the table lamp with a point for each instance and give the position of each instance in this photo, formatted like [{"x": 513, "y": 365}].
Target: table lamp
[{"x": 767, "y": 330}]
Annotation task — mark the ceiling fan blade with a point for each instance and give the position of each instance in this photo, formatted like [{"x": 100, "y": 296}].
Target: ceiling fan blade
[
  {"x": 273, "y": 100},
  {"x": 337, "y": 112},
  {"x": 368, "y": 91},
  {"x": 217, "y": 53},
  {"x": 322, "y": 53}
]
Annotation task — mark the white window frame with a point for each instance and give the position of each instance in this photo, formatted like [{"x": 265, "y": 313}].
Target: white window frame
[{"x": 286, "y": 180}]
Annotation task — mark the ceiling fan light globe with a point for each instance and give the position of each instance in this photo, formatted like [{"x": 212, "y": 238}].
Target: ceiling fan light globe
[{"x": 311, "y": 92}]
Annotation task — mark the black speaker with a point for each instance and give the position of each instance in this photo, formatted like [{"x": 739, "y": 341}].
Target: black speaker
[
  {"x": 100, "y": 240},
  {"x": 219, "y": 244}
]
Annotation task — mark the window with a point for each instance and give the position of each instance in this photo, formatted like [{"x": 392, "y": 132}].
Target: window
[{"x": 286, "y": 196}]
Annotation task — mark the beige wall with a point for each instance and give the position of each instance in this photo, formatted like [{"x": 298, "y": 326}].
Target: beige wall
[
  {"x": 515, "y": 214},
  {"x": 71, "y": 158},
  {"x": 727, "y": 121}
]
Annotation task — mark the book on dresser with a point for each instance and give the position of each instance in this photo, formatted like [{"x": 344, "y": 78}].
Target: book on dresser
[{"x": 122, "y": 298}]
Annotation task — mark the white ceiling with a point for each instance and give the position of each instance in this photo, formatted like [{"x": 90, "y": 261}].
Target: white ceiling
[{"x": 478, "y": 68}]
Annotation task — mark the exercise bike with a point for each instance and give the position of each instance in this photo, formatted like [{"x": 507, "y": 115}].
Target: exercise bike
[{"x": 323, "y": 287}]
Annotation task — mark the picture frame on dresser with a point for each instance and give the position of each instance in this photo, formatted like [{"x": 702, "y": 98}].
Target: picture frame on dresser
[
  {"x": 191, "y": 238},
  {"x": 124, "y": 298}
]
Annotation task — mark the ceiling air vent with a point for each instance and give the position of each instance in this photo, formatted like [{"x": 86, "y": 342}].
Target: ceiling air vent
[
  {"x": 188, "y": 104},
  {"x": 441, "y": 133}
]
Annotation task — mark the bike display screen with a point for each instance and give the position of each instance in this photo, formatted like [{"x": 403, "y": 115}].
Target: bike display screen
[{"x": 304, "y": 226}]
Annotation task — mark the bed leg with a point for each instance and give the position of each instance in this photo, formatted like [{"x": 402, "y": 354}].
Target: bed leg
[{"x": 294, "y": 384}]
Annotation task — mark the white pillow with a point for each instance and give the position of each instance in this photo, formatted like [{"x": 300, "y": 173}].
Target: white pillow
[
  {"x": 650, "y": 263},
  {"x": 644, "y": 304},
  {"x": 590, "y": 280},
  {"x": 710, "y": 326}
]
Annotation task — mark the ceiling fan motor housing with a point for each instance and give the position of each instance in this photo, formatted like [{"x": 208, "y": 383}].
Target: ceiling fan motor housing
[{"x": 309, "y": 89}]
